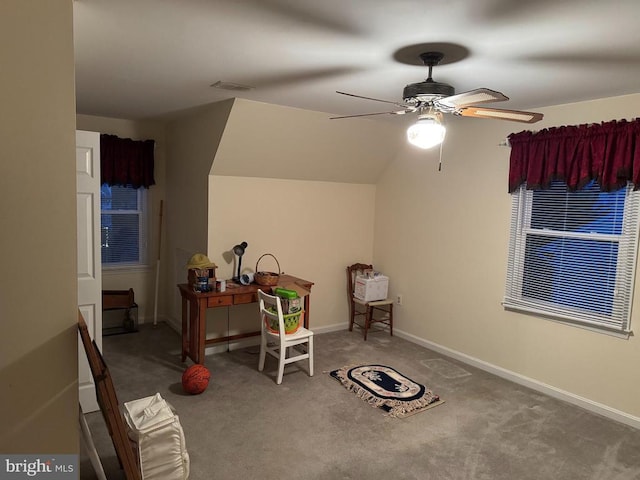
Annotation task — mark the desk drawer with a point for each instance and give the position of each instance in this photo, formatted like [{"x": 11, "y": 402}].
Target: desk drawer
[
  {"x": 219, "y": 301},
  {"x": 245, "y": 298}
]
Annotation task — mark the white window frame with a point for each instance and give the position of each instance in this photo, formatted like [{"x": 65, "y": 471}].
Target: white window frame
[
  {"x": 618, "y": 323},
  {"x": 143, "y": 244}
]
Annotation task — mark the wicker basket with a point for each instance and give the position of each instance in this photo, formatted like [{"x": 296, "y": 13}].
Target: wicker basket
[
  {"x": 268, "y": 279},
  {"x": 292, "y": 322}
]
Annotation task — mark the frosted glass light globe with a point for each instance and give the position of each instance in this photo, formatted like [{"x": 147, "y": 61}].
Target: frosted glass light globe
[{"x": 427, "y": 132}]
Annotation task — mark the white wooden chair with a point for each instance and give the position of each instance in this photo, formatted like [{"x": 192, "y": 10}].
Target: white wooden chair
[{"x": 279, "y": 344}]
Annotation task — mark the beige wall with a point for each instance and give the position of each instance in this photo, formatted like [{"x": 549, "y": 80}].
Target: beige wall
[
  {"x": 314, "y": 229},
  {"x": 192, "y": 142},
  {"x": 38, "y": 289},
  {"x": 442, "y": 237},
  {"x": 142, "y": 280},
  {"x": 272, "y": 141}
]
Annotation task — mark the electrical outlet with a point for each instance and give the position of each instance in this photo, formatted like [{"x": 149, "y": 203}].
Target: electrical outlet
[{"x": 399, "y": 299}]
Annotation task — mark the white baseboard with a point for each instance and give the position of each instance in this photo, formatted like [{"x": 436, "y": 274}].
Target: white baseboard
[
  {"x": 541, "y": 387},
  {"x": 330, "y": 328},
  {"x": 175, "y": 324}
]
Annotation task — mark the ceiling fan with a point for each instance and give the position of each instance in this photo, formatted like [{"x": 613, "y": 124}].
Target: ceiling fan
[{"x": 430, "y": 99}]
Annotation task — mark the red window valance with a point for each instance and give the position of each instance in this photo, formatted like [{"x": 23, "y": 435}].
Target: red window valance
[
  {"x": 126, "y": 162},
  {"x": 608, "y": 153}
]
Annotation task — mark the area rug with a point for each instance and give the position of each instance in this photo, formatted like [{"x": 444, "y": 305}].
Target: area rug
[{"x": 387, "y": 389}]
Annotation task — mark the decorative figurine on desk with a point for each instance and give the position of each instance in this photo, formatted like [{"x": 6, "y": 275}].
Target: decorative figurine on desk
[
  {"x": 239, "y": 251},
  {"x": 202, "y": 273}
]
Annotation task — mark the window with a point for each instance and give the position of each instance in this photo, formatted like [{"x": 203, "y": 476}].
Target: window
[
  {"x": 572, "y": 255},
  {"x": 123, "y": 226}
]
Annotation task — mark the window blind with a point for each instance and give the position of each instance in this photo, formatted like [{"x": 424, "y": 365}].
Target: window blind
[
  {"x": 572, "y": 254},
  {"x": 123, "y": 225}
]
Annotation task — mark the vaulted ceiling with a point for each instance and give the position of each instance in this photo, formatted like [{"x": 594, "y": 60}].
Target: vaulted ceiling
[{"x": 140, "y": 59}]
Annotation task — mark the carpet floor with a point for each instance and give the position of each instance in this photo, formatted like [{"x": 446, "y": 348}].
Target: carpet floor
[{"x": 244, "y": 426}]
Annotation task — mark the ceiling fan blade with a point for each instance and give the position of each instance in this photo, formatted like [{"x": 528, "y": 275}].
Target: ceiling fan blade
[
  {"x": 500, "y": 114},
  {"x": 401, "y": 112},
  {"x": 473, "y": 97},
  {"x": 397, "y": 104}
]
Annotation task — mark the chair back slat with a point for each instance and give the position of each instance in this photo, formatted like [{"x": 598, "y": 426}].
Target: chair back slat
[
  {"x": 267, "y": 301},
  {"x": 352, "y": 272}
]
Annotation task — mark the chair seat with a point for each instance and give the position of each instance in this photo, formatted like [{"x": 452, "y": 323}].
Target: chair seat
[
  {"x": 301, "y": 334},
  {"x": 375, "y": 303}
]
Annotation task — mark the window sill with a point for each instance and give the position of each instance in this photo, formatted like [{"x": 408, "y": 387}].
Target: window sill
[{"x": 124, "y": 269}]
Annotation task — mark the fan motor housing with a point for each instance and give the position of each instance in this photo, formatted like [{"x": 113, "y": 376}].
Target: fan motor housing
[{"x": 427, "y": 91}]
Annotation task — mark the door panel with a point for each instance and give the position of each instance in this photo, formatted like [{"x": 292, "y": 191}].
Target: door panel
[{"x": 89, "y": 262}]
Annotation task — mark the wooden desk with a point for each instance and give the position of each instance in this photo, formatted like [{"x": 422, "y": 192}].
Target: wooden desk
[{"x": 194, "y": 312}]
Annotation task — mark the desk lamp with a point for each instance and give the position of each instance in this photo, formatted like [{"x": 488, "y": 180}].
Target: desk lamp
[{"x": 239, "y": 251}]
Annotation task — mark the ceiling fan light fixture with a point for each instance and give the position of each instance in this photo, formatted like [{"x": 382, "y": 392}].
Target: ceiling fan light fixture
[{"x": 427, "y": 132}]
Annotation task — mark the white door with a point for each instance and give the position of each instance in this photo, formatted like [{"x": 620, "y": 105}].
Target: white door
[{"x": 89, "y": 262}]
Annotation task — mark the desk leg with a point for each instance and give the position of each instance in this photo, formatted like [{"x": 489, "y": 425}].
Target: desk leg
[
  {"x": 202, "y": 329},
  {"x": 307, "y": 308},
  {"x": 185, "y": 331},
  {"x": 193, "y": 330}
]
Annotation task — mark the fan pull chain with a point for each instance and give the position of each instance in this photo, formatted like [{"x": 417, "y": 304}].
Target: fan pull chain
[{"x": 440, "y": 161}]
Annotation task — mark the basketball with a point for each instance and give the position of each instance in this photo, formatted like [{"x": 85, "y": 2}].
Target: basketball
[{"x": 195, "y": 379}]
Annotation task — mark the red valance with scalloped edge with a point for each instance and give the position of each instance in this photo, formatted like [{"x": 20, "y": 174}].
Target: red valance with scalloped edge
[
  {"x": 608, "y": 152},
  {"x": 124, "y": 161}
]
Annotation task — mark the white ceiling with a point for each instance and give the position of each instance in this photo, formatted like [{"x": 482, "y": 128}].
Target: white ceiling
[{"x": 140, "y": 59}]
